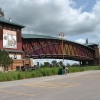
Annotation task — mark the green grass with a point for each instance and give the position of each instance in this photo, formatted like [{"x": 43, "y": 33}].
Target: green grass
[
  {"x": 18, "y": 75},
  {"x": 79, "y": 69}
]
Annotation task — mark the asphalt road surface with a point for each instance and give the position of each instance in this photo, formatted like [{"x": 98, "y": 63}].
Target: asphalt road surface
[{"x": 73, "y": 86}]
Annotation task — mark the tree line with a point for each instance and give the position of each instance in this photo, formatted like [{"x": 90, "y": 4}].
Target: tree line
[{"x": 54, "y": 63}]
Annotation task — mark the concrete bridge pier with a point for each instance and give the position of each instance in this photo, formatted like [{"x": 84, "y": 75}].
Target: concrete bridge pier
[
  {"x": 84, "y": 63},
  {"x": 89, "y": 63},
  {"x": 92, "y": 63},
  {"x": 80, "y": 63}
]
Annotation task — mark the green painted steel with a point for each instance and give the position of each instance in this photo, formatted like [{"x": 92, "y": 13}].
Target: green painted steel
[
  {"x": 3, "y": 20},
  {"x": 26, "y": 36}
]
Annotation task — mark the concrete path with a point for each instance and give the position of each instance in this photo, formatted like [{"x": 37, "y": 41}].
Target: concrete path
[{"x": 73, "y": 86}]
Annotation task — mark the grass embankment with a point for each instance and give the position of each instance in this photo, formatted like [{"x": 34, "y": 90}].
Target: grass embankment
[
  {"x": 80, "y": 69},
  {"x": 17, "y": 75}
]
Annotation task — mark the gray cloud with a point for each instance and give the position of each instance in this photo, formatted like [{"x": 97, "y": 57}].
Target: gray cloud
[{"x": 52, "y": 16}]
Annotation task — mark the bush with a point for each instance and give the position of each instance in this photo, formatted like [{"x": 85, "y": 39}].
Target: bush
[
  {"x": 17, "y": 75},
  {"x": 76, "y": 69}
]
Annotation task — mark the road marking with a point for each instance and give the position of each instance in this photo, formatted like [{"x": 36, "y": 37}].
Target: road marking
[
  {"x": 71, "y": 85},
  {"x": 57, "y": 85},
  {"x": 17, "y": 93}
]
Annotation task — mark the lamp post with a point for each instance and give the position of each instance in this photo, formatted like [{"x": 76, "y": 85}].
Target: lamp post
[{"x": 61, "y": 35}]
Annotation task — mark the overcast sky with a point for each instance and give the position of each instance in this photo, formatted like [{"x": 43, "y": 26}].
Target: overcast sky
[{"x": 78, "y": 19}]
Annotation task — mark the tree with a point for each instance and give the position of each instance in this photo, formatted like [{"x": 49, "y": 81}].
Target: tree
[
  {"x": 60, "y": 63},
  {"x": 46, "y": 64},
  {"x": 68, "y": 65},
  {"x": 5, "y": 60},
  {"x": 54, "y": 63},
  {"x": 38, "y": 64},
  {"x": 75, "y": 64},
  {"x": 42, "y": 66}
]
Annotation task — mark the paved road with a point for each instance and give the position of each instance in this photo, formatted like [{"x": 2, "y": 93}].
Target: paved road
[{"x": 73, "y": 86}]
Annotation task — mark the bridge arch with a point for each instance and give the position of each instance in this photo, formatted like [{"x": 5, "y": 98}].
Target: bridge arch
[{"x": 50, "y": 47}]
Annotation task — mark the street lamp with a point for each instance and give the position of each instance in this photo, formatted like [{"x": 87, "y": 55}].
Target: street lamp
[{"x": 61, "y": 35}]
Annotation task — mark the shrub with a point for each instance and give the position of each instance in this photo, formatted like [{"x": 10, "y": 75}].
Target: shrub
[{"x": 17, "y": 75}]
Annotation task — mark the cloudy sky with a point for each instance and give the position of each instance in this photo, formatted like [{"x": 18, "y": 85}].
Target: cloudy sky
[{"x": 78, "y": 19}]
